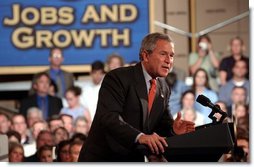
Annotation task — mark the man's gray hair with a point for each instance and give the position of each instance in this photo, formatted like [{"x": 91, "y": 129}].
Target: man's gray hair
[{"x": 149, "y": 42}]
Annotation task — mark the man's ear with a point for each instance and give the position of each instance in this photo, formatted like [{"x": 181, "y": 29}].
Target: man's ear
[
  {"x": 34, "y": 86},
  {"x": 145, "y": 55}
]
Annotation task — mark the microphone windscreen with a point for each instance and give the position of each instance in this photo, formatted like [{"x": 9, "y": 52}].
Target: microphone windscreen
[{"x": 203, "y": 100}]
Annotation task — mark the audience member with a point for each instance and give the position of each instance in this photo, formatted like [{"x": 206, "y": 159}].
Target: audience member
[
  {"x": 45, "y": 137},
  {"x": 55, "y": 122},
  {"x": 19, "y": 125},
  {"x": 187, "y": 102},
  {"x": 227, "y": 63},
  {"x": 16, "y": 152},
  {"x": 68, "y": 123},
  {"x": 78, "y": 137},
  {"x": 238, "y": 95},
  {"x": 81, "y": 125},
  {"x": 201, "y": 86},
  {"x": 177, "y": 88},
  {"x": 49, "y": 105},
  {"x": 207, "y": 59},
  {"x": 114, "y": 61},
  {"x": 223, "y": 107},
  {"x": 45, "y": 153},
  {"x": 90, "y": 88},
  {"x": 74, "y": 108},
  {"x": 62, "y": 78},
  {"x": 60, "y": 134},
  {"x": 36, "y": 128},
  {"x": 34, "y": 114},
  {"x": 75, "y": 148},
  {"x": 239, "y": 72},
  {"x": 13, "y": 136},
  {"x": 241, "y": 150},
  {"x": 63, "y": 151},
  {"x": 5, "y": 123},
  {"x": 241, "y": 111}
]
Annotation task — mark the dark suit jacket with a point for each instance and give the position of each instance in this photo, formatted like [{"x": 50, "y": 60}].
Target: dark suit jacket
[
  {"x": 54, "y": 105},
  {"x": 122, "y": 114},
  {"x": 68, "y": 78}
]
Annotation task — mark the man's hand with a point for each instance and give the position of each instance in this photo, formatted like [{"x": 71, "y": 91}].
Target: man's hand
[
  {"x": 181, "y": 126},
  {"x": 155, "y": 142}
]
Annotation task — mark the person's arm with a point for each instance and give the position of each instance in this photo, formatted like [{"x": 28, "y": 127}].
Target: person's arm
[
  {"x": 214, "y": 59},
  {"x": 196, "y": 65},
  {"x": 196, "y": 60},
  {"x": 110, "y": 108}
]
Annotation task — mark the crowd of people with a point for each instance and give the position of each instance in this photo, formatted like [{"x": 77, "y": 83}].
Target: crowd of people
[{"x": 54, "y": 120}]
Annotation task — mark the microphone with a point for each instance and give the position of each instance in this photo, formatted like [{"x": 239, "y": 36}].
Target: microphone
[{"x": 207, "y": 102}]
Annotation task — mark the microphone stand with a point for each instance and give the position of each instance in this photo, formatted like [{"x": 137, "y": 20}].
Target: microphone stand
[{"x": 216, "y": 109}]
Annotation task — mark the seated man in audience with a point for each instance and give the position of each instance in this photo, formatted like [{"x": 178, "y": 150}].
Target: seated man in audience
[
  {"x": 34, "y": 114},
  {"x": 238, "y": 95},
  {"x": 239, "y": 79},
  {"x": 227, "y": 63},
  {"x": 45, "y": 137},
  {"x": 19, "y": 125},
  {"x": 49, "y": 105},
  {"x": 55, "y": 122},
  {"x": 5, "y": 123},
  {"x": 68, "y": 123}
]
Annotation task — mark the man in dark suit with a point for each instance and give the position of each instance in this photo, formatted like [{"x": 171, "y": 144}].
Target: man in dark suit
[
  {"x": 48, "y": 104},
  {"x": 123, "y": 117},
  {"x": 62, "y": 78}
]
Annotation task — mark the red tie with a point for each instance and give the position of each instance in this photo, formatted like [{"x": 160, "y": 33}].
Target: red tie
[{"x": 151, "y": 95}]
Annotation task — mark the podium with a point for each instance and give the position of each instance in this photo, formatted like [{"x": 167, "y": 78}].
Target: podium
[{"x": 206, "y": 144}]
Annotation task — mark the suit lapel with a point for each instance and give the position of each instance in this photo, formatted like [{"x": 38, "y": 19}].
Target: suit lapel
[{"x": 141, "y": 89}]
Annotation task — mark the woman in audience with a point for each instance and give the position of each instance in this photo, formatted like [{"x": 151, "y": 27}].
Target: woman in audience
[
  {"x": 16, "y": 152},
  {"x": 241, "y": 111},
  {"x": 81, "y": 125},
  {"x": 62, "y": 151},
  {"x": 207, "y": 59},
  {"x": 45, "y": 153},
  {"x": 188, "y": 111},
  {"x": 74, "y": 108},
  {"x": 75, "y": 148},
  {"x": 201, "y": 86},
  {"x": 60, "y": 134}
]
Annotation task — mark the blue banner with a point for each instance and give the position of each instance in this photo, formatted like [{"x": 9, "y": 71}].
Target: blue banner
[{"x": 86, "y": 30}]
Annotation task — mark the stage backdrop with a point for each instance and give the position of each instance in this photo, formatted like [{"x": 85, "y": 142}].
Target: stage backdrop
[{"x": 86, "y": 30}]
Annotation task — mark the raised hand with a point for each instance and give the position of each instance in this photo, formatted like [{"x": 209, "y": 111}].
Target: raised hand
[{"x": 181, "y": 126}]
